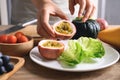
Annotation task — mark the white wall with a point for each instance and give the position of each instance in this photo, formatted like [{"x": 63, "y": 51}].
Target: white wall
[
  {"x": 96, "y": 12},
  {"x": 3, "y": 12},
  {"x": 110, "y": 10},
  {"x": 0, "y": 12}
]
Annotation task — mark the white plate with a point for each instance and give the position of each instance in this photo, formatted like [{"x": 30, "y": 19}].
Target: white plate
[{"x": 111, "y": 57}]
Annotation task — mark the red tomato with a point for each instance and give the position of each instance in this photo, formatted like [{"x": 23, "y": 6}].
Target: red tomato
[
  {"x": 3, "y": 38},
  {"x": 18, "y": 34},
  {"x": 22, "y": 39},
  {"x": 11, "y": 39}
]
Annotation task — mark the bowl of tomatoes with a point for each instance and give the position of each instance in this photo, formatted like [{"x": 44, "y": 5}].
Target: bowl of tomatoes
[{"x": 16, "y": 44}]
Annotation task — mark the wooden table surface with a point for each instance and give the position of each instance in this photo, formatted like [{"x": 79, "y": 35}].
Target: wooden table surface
[{"x": 33, "y": 71}]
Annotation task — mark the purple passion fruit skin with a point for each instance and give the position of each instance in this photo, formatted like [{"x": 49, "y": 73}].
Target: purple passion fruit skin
[
  {"x": 50, "y": 49},
  {"x": 64, "y": 29},
  {"x": 103, "y": 23}
]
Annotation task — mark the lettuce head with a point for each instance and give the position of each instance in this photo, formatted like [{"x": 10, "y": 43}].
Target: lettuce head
[{"x": 84, "y": 48}]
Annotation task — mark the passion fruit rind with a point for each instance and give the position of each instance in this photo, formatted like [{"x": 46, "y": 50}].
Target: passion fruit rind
[
  {"x": 50, "y": 49},
  {"x": 64, "y": 29}
]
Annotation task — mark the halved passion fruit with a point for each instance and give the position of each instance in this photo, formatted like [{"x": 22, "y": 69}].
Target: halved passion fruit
[
  {"x": 64, "y": 29},
  {"x": 50, "y": 49}
]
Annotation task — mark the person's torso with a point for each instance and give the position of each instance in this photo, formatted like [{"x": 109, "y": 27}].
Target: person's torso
[{"x": 23, "y": 10}]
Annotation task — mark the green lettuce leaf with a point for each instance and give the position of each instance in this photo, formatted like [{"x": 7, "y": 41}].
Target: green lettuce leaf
[
  {"x": 71, "y": 56},
  {"x": 82, "y": 50},
  {"x": 91, "y": 47}
]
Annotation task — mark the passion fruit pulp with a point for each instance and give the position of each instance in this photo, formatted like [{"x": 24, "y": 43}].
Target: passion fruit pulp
[
  {"x": 52, "y": 44},
  {"x": 50, "y": 49},
  {"x": 64, "y": 29}
]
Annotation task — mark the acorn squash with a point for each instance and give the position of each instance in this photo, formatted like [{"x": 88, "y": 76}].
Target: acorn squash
[{"x": 90, "y": 28}]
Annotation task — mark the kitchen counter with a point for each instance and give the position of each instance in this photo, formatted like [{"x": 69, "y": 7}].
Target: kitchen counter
[{"x": 33, "y": 71}]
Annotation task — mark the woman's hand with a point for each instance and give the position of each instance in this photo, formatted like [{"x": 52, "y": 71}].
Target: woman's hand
[
  {"x": 86, "y": 7},
  {"x": 45, "y": 9}
]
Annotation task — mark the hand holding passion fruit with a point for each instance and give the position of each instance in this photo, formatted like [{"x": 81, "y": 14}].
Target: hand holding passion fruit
[
  {"x": 47, "y": 8},
  {"x": 63, "y": 29}
]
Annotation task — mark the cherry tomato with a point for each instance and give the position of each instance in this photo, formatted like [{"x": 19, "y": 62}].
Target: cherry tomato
[
  {"x": 18, "y": 34},
  {"x": 11, "y": 39},
  {"x": 22, "y": 39},
  {"x": 3, "y": 38}
]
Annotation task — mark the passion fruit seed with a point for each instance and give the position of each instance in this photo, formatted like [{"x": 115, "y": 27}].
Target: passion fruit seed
[
  {"x": 52, "y": 44},
  {"x": 64, "y": 28}
]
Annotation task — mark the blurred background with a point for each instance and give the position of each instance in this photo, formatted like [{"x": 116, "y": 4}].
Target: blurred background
[{"x": 107, "y": 9}]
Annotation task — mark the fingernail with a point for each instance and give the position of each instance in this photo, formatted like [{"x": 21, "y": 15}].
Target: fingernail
[
  {"x": 67, "y": 18},
  {"x": 80, "y": 15}
]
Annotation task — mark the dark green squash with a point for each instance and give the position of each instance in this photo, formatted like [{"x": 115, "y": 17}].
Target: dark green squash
[{"x": 90, "y": 28}]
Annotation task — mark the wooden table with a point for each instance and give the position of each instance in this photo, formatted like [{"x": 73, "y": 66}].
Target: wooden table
[{"x": 33, "y": 71}]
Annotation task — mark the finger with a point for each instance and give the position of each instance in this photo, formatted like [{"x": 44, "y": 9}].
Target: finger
[
  {"x": 71, "y": 6},
  {"x": 43, "y": 33},
  {"x": 82, "y": 7},
  {"x": 40, "y": 30},
  {"x": 45, "y": 22},
  {"x": 93, "y": 11},
  {"x": 87, "y": 13}
]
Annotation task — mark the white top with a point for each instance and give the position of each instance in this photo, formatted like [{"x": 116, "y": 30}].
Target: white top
[
  {"x": 64, "y": 6},
  {"x": 23, "y": 10}
]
